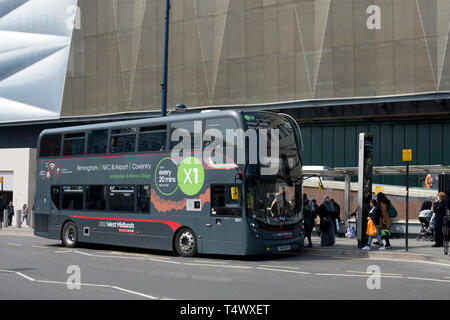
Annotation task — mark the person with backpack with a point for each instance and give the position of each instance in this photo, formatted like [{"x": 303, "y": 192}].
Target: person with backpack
[
  {"x": 387, "y": 212},
  {"x": 375, "y": 215}
]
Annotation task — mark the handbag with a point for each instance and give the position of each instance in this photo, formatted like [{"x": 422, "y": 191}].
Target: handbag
[
  {"x": 392, "y": 211},
  {"x": 371, "y": 229},
  {"x": 317, "y": 220}
]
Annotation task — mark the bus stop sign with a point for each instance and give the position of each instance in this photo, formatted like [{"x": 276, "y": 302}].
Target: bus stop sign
[{"x": 407, "y": 155}]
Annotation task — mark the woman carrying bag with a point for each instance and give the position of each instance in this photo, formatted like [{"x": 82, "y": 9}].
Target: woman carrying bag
[{"x": 374, "y": 220}]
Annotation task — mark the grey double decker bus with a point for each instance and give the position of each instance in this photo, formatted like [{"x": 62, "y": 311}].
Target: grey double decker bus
[{"x": 130, "y": 184}]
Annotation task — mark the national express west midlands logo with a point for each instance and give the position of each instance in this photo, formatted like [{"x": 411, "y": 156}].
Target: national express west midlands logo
[{"x": 53, "y": 169}]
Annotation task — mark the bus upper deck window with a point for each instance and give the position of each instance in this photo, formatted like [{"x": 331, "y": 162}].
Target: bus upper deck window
[
  {"x": 152, "y": 138},
  {"x": 74, "y": 144},
  {"x": 97, "y": 141},
  {"x": 123, "y": 140},
  {"x": 50, "y": 146}
]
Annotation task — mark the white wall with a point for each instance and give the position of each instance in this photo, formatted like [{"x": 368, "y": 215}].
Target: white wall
[{"x": 22, "y": 164}]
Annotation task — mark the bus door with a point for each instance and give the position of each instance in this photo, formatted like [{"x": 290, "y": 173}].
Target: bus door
[
  {"x": 223, "y": 225},
  {"x": 54, "y": 205}
]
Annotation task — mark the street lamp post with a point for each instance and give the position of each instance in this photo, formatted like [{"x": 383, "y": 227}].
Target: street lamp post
[{"x": 165, "y": 63}]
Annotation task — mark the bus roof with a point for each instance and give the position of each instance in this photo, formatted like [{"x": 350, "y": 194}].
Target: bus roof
[{"x": 149, "y": 121}]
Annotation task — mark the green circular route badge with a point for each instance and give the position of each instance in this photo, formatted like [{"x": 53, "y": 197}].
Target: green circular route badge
[
  {"x": 191, "y": 176},
  {"x": 166, "y": 176}
]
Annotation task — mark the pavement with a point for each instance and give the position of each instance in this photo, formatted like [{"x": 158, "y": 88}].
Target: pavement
[
  {"x": 418, "y": 250},
  {"x": 24, "y": 230}
]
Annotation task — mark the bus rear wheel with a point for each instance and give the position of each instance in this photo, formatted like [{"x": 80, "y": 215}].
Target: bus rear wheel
[
  {"x": 70, "y": 235},
  {"x": 186, "y": 243}
]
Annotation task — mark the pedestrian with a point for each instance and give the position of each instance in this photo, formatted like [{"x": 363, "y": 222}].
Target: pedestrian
[
  {"x": 309, "y": 216},
  {"x": 385, "y": 220},
  {"x": 336, "y": 215},
  {"x": 375, "y": 215},
  {"x": 315, "y": 210},
  {"x": 439, "y": 209},
  {"x": 24, "y": 214},
  {"x": 326, "y": 212},
  {"x": 10, "y": 209}
]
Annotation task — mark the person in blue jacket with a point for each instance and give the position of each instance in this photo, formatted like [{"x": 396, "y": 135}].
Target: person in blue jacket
[{"x": 439, "y": 208}]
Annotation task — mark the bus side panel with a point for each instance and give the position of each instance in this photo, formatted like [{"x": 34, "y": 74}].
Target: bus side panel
[{"x": 126, "y": 231}]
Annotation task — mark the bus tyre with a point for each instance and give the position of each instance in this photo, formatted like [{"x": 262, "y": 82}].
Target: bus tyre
[
  {"x": 186, "y": 243},
  {"x": 70, "y": 235}
]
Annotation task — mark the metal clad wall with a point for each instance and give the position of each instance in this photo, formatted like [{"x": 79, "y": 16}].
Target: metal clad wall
[
  {"x": 236, "y": 52},
  {"x": 429, "y": 143},
  {"x": 338, "y": 147},
  {"x": 446, "y": 142}
]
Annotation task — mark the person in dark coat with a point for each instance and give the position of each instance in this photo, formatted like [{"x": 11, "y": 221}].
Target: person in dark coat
[
  {"x": 326, "y": 213},
  {"x": 309, "y": 216},
  {"x": 439, "y": 208},
  {"x": 10, "y": 209},
  {"x": 336, "y": 215}
]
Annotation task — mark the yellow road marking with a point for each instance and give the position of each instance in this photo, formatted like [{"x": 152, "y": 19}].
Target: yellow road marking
[
  {"x": 281, "y": 267},
  {"x": 40, "y": 247},
  {"x": 383, "y": 274},
  {"x": 14, "y": 244}
]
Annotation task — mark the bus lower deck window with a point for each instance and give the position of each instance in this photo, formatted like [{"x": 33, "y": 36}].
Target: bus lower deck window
[{"x": 121, "y": 198}]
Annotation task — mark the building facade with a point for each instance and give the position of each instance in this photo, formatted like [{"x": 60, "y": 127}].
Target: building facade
[{"x": 253, "y": 52}]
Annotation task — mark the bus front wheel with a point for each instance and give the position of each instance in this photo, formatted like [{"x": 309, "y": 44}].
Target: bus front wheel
[
  {"x": 70, "y": 235},
  {"x": 186, "y": 243}
]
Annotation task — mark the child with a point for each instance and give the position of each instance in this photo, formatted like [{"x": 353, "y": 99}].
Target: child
[{"x": 374, "y": 214}]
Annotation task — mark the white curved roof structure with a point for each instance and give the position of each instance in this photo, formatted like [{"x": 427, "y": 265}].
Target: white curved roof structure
[{"x": 35, "y": 38}]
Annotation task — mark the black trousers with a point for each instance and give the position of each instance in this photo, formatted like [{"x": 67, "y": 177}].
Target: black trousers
[{"x": 438, "y": 235}]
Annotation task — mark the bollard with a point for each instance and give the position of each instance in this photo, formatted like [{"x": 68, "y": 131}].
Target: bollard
[
  {"x": 5, "y": 218},
  {"x": 19, "y": 218}
]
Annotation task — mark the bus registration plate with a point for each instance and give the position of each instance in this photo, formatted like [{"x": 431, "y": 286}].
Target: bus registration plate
[{"x": 284, "y": 248}]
